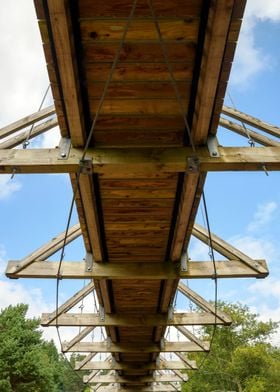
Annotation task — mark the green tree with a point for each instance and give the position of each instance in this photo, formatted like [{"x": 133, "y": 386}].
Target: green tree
[
  {"x": 27, "y": 362},
  {"x": 241, "y": 357}
]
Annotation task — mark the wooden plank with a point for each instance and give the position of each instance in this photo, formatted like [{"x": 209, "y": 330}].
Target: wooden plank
[
  {"x": 132, "y": 320},
  {"x": 140, "y": 29},
  {"x": 218, "y": 25},
  {"x": 225, "y": 248},
  {"x": 178, "y": 8},
  {"x": 255, "y": 136},
  {"x": 138, "y": 270},
  {"x": 88, "y": 197},
  {"x": 103, "y": 347},
  {"x": 36, "y": 131},
  {"x": 143, "y": 163},
  {"x": 252, "y": 121},
  {"x": 85, "y": 361},
  {"x": 132, "y": 380},
  {"x": 26, "y": 121},
  {"x": 156, "y": 388},
  {"x": 162, "y": 365},
  {"x": 138, "y": 72},
  {"x": 203, "y": 304},
  {"x": 186, "y": 204},
  {"x": 144, "y": 51},
  {"x": 66, "y": 61}
]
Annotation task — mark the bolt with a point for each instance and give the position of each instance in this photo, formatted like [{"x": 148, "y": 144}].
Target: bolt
[
  {"x": 214, "y": 153},
  {"x": 63, "y": 155}
]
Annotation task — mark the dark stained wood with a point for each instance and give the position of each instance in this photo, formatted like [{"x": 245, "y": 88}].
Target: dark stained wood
[{"x": 121, "y": 8}]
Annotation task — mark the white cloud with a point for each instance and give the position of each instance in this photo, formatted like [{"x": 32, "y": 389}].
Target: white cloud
[
  {"x": 23, "y": 75},
  {"x": 264, "y": 215},
  {"x": 8, "y": 186},
  {"x": 250, "y": 59}
]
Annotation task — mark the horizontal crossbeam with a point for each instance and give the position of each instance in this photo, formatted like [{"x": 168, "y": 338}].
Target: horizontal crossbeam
[
  {"x": 162, "y": 365},
  {"x": 104, "y": 347},
  {"x": 131, "y": 320},
  {"x": 141, "y": 162},
  {"x": 138, "y": 270},
  {"x": 154, "y": 388},
  {"x": 134, "y": 379}
]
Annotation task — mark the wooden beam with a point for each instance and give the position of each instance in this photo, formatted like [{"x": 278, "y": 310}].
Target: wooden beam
[
  {"x": 137, "y": 270},
  {"x": 36, "y": 131},
  {"x": 103, "y": 347},
  {"x": 79, "y": 337},
  {"x": 203, "y": 304},
  {"x": 218, "y": 25},
  {"x": 81, "y": 364},
  {"x": 26, "y": 121},
  {"x": 255, "y": 136},
  {"x": 62, "y": 36},
  {"x": 155, "y": 388},
  {"x": 131, "y": 320},
  {"x": 121, "y": 163},
  {"x": 184, "y": 331},
  {"x": 76, "y": 298},
  {"x": 191, "y": 364},
  {"x": 48, "y": 249},
  {"x": 226, "y": 249},
  {"x": 163, "y": 365},
  {"x": 132, "y": 380},
  {"x": 252, "y": 121}
]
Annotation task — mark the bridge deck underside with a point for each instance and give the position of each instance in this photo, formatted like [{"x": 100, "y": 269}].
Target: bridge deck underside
[{"x": 138, "y": 218}]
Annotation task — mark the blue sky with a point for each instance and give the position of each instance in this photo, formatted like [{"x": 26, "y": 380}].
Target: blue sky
[{"x": 244, "y": 208}]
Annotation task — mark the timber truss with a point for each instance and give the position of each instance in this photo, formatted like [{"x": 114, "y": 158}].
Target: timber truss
[
  {"x": 138, "y": 93},
  {"x": 37, "y": 265}
]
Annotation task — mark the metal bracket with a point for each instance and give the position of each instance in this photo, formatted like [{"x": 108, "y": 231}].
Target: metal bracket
[
  {"x": 101, "y": 313},
  {"x": 86, "y": 166},
  {"x": 184, "y": 261},
  {"x": 158, "y": 361},
  {"x": 89, "y": 262},
  {"x": 162, "y": 344},
  {"x": 64, "y": 148},
  {"x": 193, "y": 164},
  {"x": 213, "y": 146}
]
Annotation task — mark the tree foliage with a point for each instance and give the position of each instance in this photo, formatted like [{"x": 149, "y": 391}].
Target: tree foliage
[
  {"x": 27, "y": 362},
  {"x": 241, "y": 357}
]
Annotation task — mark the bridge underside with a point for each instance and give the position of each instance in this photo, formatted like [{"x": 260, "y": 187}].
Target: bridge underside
[{"x": 138, "y": 89}]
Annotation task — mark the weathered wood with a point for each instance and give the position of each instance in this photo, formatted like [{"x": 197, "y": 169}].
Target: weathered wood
[
  {"x": 191, "y": 364},
  {"x": 254, "y": 122},
  {"x": 203, "y": 304},
  {"x": 79, "y": 337},
  {"x": 132, "y": 380},
  {"x": 36, "y": 131},
  {"x": 103, "y": 347},
  {"x": 124, "y": 163},
  {"x": 138, "y": 270},
  {"x": 184, "y": 331},
  {"x": 66, "y": 61},
  {"x": 255, "y": 136},
  {"x": 140, "y": 29},
  {"x": 155, "y": 388},
  {"x": 132, "y": 320},
  {"x": 216, "y": 36},
  {"x": 74, "y": 300},
  {"x": 162, "y": 365},
  {"x": 226, "y": 249},
  {"x": 49, "y": 248},
  {"x": 26, "y": 121},
  {"x": 86, "y": 360}
]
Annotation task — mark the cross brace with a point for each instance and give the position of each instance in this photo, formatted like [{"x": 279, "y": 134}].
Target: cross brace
[{"x": 143, "y": 162}]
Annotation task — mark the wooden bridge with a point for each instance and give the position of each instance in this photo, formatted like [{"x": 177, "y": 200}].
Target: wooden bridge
[{"x": 138, "y": 90}]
